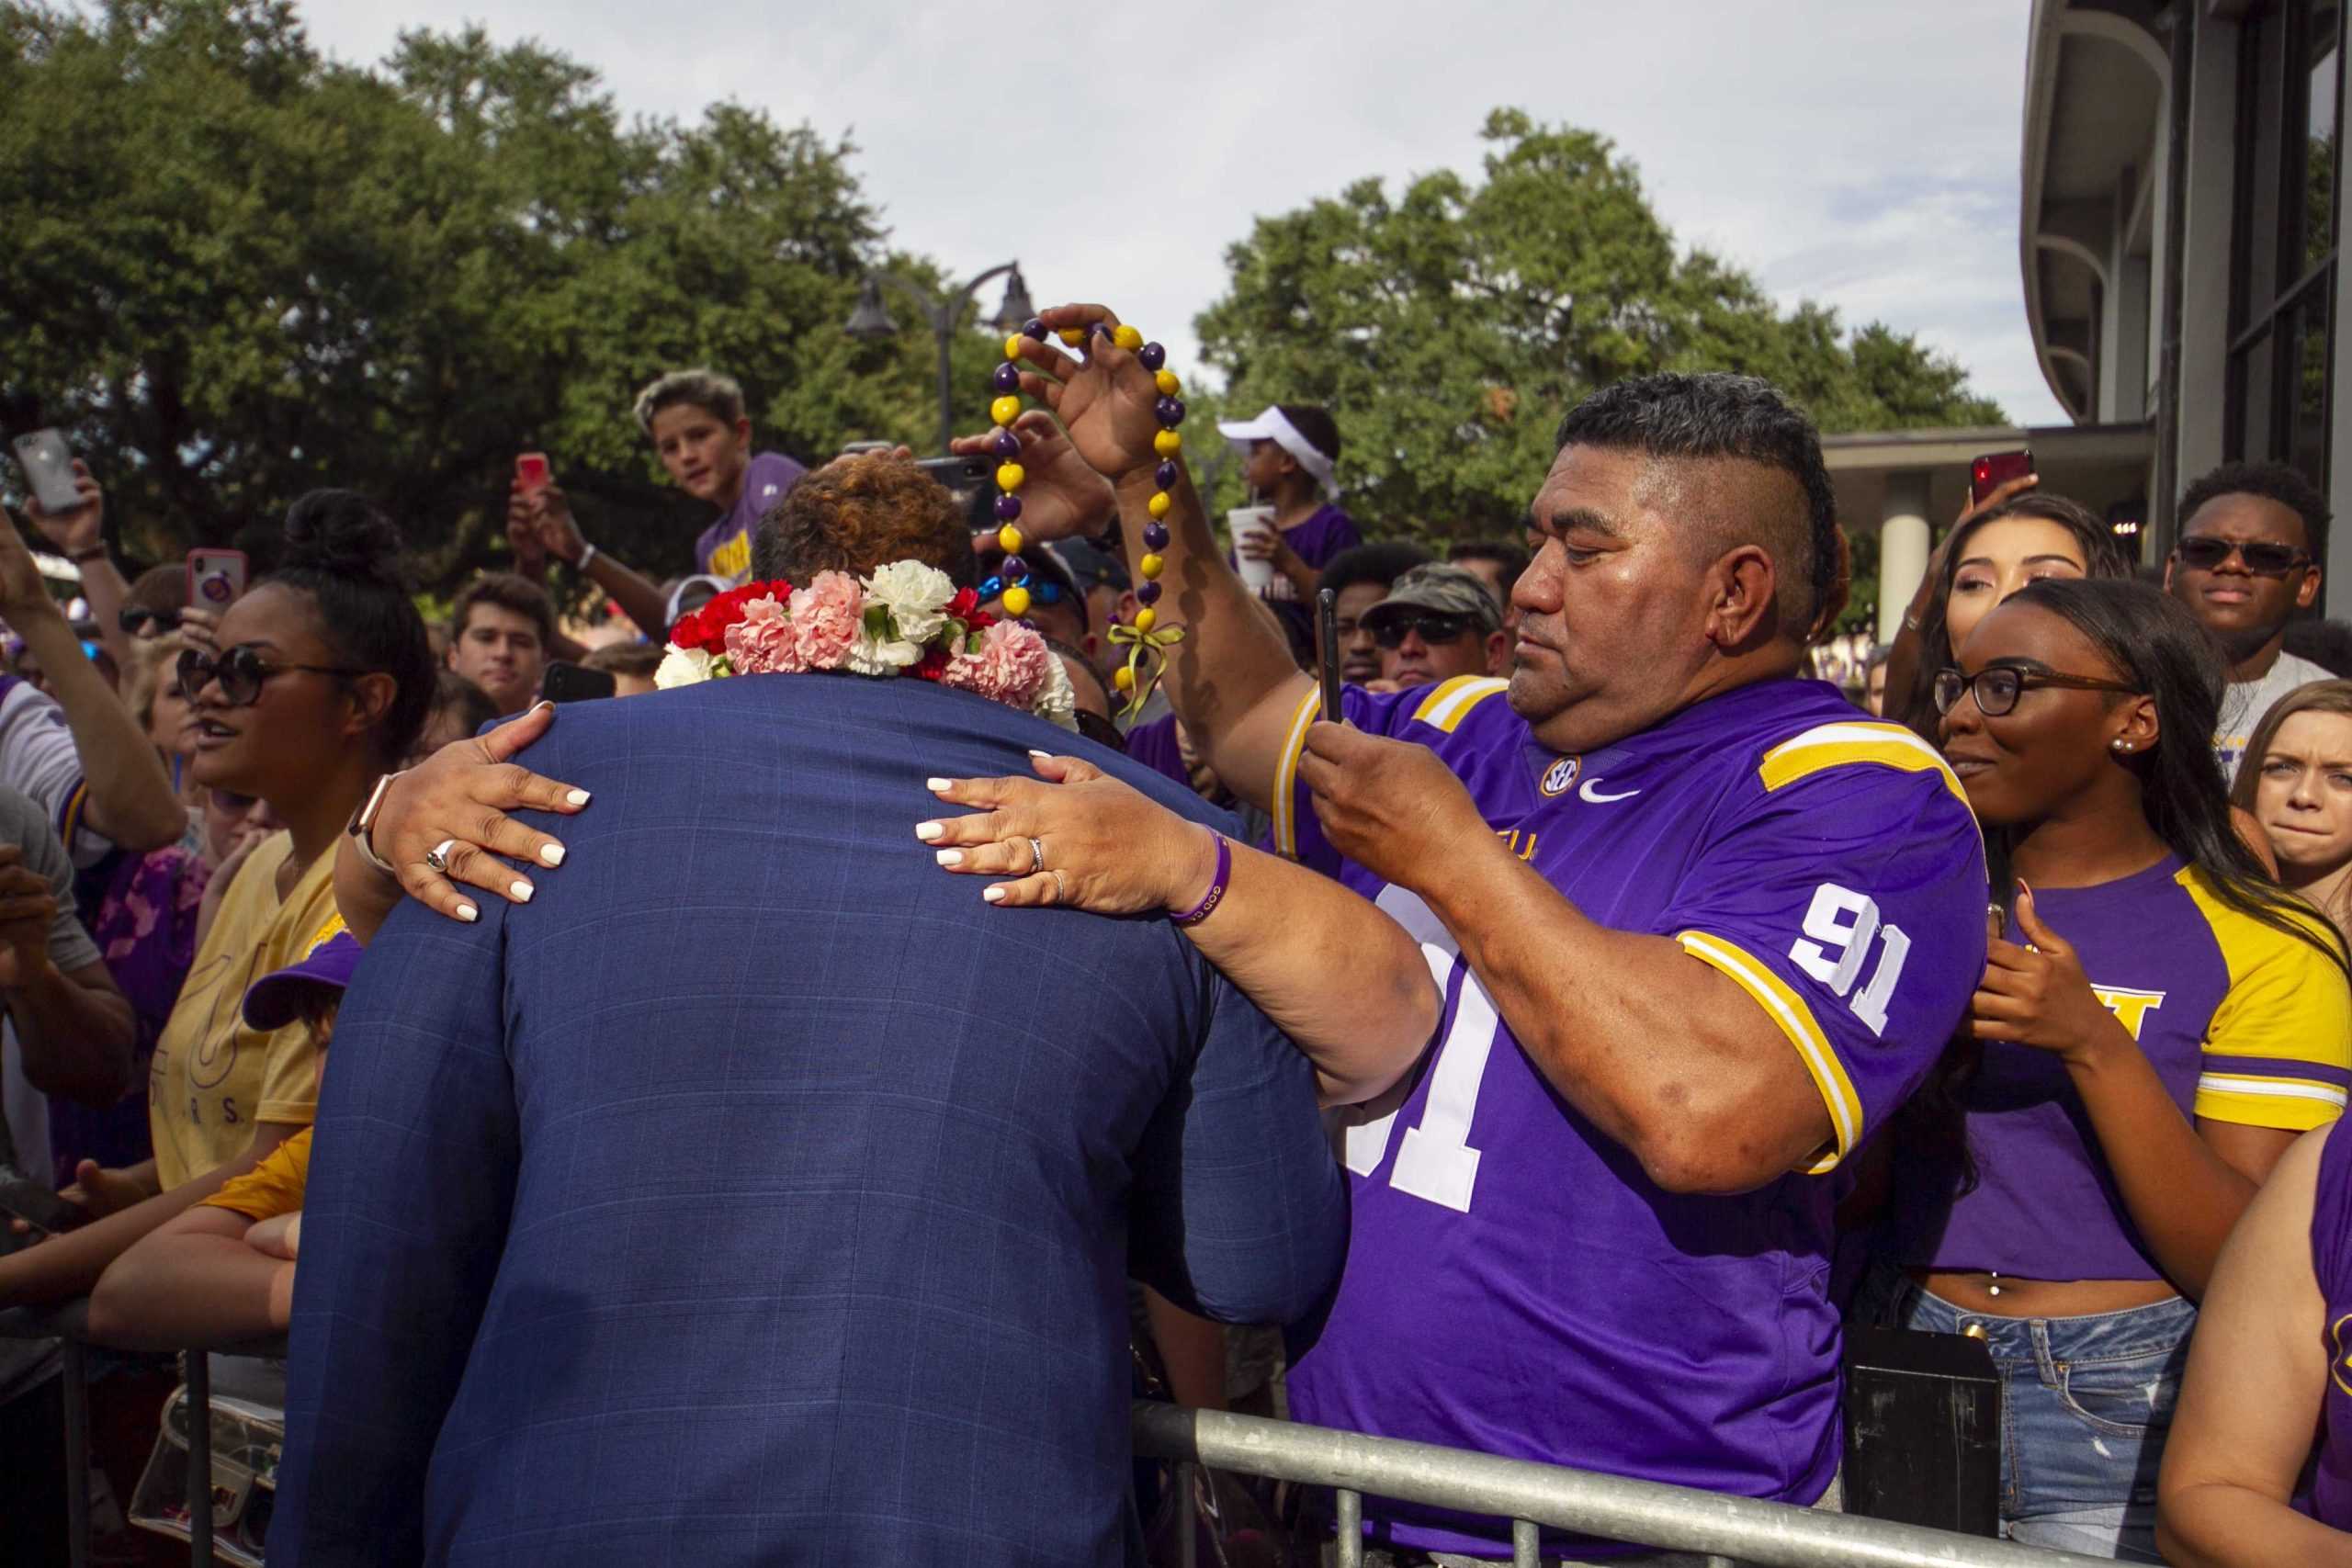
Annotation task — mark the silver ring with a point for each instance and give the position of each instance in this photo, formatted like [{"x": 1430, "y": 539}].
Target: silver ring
[
  {"x": 1036, "y": 857},
  {"x": 438, "y": 857},
  {"x": 1061, "y": 894}
]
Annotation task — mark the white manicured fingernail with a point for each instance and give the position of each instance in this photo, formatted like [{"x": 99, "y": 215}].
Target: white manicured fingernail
[
  {"x": 936, "y": 786},
  {"x": 950, "y": 857},
  {"x": 468, "y": 912},
  {"x": 994, "y": 894},
  {"x": 578, "y": 797},
  {"x": 927, "y": 831},
  {"x": 1035, "y": 753},
  {"x": 551, "y": 853},
  {"x": 521, "y": 891}
]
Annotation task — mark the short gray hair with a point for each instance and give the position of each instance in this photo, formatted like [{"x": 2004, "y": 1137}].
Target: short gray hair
[{"x": 704, "y": 389}]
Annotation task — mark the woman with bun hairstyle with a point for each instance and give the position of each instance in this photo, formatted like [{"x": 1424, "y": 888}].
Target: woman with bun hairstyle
[{"x": 318, "y": 682}]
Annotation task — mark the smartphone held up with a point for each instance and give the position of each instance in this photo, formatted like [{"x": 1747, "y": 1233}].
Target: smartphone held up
[
  {"x": 48, "y": 464},
  {"x": 1990, "y": 472},
  {"x": 216, "y": 579}
]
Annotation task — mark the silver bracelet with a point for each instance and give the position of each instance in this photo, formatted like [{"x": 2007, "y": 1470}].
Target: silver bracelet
[{"x": 587, "y": 554}]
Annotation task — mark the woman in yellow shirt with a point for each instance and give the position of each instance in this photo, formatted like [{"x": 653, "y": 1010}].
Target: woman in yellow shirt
[{"x": 318, "y": 682}]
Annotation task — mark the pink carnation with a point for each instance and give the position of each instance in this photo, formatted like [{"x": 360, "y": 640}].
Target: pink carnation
[
  {"x": 1010, "y": 666},
  {"x": 825, "y": 617},
  {"x": 761, "y": 642}
]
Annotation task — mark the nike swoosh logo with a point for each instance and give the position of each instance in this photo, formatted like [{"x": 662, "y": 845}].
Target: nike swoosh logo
[{"x": 1587, "y": 793}]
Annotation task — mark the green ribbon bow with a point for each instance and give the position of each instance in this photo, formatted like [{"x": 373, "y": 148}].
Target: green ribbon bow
[{"x": 1147, "y": 660}]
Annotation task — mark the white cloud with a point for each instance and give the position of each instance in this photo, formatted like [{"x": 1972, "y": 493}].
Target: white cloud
[{"x": 1859, "y": 153}]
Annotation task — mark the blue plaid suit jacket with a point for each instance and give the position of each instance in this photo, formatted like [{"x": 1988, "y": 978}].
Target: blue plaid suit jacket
[{"x": 756, "y": 1194}]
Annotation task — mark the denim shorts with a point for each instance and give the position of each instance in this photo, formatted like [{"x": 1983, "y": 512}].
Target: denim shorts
[{"x": 2085, "y": 1403}]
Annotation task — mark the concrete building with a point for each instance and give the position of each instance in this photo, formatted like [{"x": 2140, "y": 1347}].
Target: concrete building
[{"x": 2177, "y": 236}]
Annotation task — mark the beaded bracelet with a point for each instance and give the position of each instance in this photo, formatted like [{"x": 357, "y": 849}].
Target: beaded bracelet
[{"x": 1215, "y": 894}]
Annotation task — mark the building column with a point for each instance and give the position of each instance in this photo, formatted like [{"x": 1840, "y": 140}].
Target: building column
[{"x": 1902, "y": 549}]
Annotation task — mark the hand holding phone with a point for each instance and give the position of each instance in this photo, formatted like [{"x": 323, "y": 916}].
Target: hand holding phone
[
  {"x": 1990, "y": 472},
  {"x": 1327, "y": 644},
  {"x": 531, "y": 471}
]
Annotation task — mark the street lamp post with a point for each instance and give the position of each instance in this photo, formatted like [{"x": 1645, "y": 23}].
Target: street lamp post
[{"x": 871, "y": 322}]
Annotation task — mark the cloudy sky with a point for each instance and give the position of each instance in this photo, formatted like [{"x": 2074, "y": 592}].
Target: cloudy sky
[{"x": 1852, "y": 152}]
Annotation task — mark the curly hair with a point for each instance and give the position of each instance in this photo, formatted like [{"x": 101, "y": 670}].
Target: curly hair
[{"x": 857, "y": 514}]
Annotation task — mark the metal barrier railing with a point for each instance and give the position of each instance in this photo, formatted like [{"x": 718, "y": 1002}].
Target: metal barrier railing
[
  {"x": 68, "y": 1324},
  {"x": 1532, "y": 1496}
]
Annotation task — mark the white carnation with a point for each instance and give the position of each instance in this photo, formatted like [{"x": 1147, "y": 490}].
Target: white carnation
[
  {"x": 915, "y": 594},
  {"x": 1056, "y": 703},
  {"x": 870, "y": 655},
  {"x": 681, "y": 667}
]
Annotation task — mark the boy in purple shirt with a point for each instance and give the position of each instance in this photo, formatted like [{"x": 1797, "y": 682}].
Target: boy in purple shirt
[
  {"x": 699, "y": 426},
  {"x": 1289, "y": 456}
]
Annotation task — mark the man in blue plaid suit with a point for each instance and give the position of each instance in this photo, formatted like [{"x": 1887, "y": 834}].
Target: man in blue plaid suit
[{"x": 754, "y": 1194}]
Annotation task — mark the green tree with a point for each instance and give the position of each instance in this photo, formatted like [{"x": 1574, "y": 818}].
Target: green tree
[
  {"x": 1449, "y": 326},
  {"x": 236, "y": 271}
]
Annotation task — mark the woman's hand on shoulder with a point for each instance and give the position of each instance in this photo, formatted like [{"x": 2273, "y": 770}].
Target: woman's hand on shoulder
[
  {"x": 1099, "y": 844},
  {"x": 455, "y": 802}
]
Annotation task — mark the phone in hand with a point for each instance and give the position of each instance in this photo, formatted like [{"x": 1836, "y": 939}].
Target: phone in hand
[
  {"x": 1327, "y": 644},
  {"x": 1990, "y": 472},
  {"x": 563, "y": 683},
  {"x": 27, "y": 1200},
  {"x": 968, "y": 479},
  {"x": 216, "y": 579},
  {"x": 531, "y": 471},
  {"x": 48, "y": 463}
]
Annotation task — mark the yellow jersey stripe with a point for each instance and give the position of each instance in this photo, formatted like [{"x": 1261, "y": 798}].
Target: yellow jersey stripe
[
  {"x": 69, "y": 821},
  {"x": 1450, "y": 701},
  {"x": 1789, "y": 1011},
  {"x": 1836, "y": 745},
  {"x": 2290, "y": 1104},
  {"x": 1287, "y": 774}
]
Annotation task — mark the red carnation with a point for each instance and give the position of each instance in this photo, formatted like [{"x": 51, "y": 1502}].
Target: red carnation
[{"x": 964, "y": 606}]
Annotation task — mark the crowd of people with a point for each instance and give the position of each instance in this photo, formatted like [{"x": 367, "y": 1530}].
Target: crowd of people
[{"x": 1548, "y": 1052}]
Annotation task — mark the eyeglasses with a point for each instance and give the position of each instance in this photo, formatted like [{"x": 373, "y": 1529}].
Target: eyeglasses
[
  {"x": 135, "y": 619},
  {"x": 242, "y": 672},
  {"x": 1997, "y": 688},
  {"x": 1042, "y": 589},
  {"x": 1431, "y": 626},
  {"x": 2203, "y": 552}
]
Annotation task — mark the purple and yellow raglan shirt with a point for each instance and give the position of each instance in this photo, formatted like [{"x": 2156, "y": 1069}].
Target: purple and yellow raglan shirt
[
  {"x": 2242, "y": 1021},
  {"x": 1515, "y": 1283}
]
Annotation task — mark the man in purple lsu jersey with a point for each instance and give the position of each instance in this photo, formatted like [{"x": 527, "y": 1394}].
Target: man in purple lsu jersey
[{"x": 1702, "y": 927}]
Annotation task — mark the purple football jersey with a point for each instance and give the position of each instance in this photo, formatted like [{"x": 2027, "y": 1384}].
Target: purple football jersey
[
  {"x": 725, "y": 547},
  {"x": 1515, "y": 1283},
  {"x": 2327, "y": 1496},
  {"x": 2241, "y": 1021}
]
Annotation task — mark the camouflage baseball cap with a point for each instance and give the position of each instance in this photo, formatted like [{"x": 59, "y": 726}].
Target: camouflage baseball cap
[{"x": 1443, "y": 590}]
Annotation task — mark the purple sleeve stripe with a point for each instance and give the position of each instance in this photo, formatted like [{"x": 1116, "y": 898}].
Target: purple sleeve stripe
[{"x": 2332, "y": 1073}]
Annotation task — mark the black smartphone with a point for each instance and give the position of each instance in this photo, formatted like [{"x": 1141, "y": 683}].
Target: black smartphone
[
  {"x": 1326, "y": 642},
  {"x": 35, "y": 1204},
  {"x": 564, "y": 683},
  {"x": 970, "y": 481}
]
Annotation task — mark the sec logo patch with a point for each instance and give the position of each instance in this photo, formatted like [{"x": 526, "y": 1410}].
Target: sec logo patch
[{"x": 1561, "y": 776}]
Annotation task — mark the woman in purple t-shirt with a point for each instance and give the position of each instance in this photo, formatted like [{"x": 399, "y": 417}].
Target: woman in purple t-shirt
[
  {"x": 2156, "y": 1026},
  {"x": 2241, "y": 1486}
]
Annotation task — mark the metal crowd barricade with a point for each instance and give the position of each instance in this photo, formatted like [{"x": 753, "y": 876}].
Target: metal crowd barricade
[
  {"x": 1772, "y": 1535},
  {"x": 68, "y": 1324}
]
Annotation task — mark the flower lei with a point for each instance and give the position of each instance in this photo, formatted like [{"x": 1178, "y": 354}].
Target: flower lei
[{"x": 907, "y": 619}]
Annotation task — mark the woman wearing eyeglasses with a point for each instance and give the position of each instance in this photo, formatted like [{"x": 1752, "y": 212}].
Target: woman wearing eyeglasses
[
  {"x": 2156, "y": 1025},
  {"x": 320, "y": 681}
]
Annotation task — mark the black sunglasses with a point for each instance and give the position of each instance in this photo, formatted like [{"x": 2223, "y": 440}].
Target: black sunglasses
[
  {"x": 1997, "y": 688},
  {"x": 135, "y": 619},
  {"x": 1433, "y": 626},
  {"x": 2202, "y": 552},
  {"x": 242, "y": 672},
  {"x": 1042, "y": 589}
]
